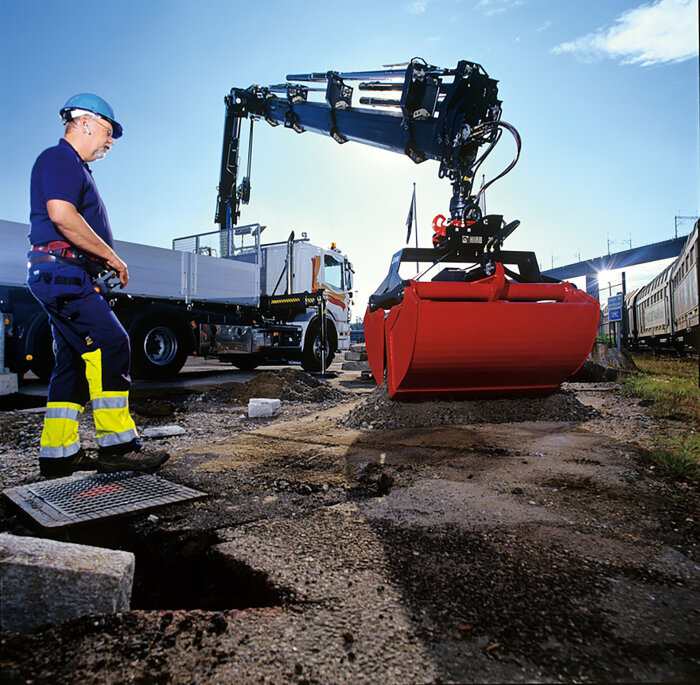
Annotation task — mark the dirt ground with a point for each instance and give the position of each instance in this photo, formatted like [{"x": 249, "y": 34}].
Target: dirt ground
[{"x": 523, "y": 541}]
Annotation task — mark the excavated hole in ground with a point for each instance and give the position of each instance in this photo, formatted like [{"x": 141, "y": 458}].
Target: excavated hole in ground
[
  {"x": 183, "y": 570},
  {"x": 195, "y": 576}
]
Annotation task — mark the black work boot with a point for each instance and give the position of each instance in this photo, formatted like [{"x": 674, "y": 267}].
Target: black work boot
[
  {"x": 64, "y": 466},
  {"x": 136, "y": 460}
]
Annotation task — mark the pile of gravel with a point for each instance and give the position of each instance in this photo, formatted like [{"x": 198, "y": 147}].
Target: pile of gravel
[
  {"x": 288, "y": 384},
  {"x": 378, "y": 411}
]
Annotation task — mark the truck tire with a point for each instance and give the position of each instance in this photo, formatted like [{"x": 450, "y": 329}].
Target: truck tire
[
  {"x": 39, "y": 343},
  {"x": 246, "y": 362},
  {"x": 311, "y": 357},
  {"x": 159, "y": 345}
]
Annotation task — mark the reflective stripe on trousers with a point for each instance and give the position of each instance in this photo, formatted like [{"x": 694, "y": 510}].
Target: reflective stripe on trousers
[
  {"x": 110, "y": 408},
  {"x": 59, "y": 438}
]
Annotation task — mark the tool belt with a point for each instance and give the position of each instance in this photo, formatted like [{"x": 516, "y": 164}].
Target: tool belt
[{"x": 58, "y": 250}]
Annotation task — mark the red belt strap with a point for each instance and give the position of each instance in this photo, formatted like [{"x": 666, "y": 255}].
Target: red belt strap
[
  {"x": 62, "y": 249},
  {"x": 49, "y": 247}
]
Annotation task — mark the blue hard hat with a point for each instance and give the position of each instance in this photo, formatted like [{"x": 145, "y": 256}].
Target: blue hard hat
[{"x": 96, "y": 105}]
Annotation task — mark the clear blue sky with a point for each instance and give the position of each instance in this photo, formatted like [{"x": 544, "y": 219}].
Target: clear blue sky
[{"x": 603, "y": 92}]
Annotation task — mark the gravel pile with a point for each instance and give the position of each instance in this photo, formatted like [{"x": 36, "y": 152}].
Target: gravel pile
[
  {"x": 288, "y": 384},
  {"x": 378, "y": 411}
]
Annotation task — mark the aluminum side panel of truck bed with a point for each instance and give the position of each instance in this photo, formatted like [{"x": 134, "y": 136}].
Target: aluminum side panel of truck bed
[
  {"x": 13, "y": 253},
  {"x": 154, "y": 271},
  {"x": 159, "y": 272}
]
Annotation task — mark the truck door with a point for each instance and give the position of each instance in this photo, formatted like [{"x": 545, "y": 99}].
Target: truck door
[
  {"x": 333, "y": 272},
  {"x": 335, "y": 283}
]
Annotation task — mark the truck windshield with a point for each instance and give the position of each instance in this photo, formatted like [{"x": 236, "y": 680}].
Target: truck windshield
[{"x": 333, "y": 272}]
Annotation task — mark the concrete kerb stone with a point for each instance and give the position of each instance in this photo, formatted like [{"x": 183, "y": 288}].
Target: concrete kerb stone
[
  {"x": 261, "y": 407},
  {"x": 355, "y": 366},
  {"x": 8, "y": 383},
  {"x": 45, "y": 582}
]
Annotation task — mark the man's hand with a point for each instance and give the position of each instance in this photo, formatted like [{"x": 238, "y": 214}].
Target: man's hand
[
  {"x": 78, "y": 232},
  {"x": 119, "y": 267}
]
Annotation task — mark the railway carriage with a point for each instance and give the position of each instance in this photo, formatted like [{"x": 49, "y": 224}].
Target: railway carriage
[{"x": 664, "y": 313}]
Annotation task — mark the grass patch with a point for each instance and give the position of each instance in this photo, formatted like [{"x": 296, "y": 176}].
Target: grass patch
[
  {"x": 606, "y": 339},
  {"x": 671, "y": 383},
  {"x": 677, "y": 457}
]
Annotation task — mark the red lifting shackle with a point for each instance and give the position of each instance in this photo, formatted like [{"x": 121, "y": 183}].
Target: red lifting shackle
[
  {"x": 440, "y": 225},
  {"x": 439, "y": 228}
]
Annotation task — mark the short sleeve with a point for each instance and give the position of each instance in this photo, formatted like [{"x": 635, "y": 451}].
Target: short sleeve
[{"x": 61, "y": 178}]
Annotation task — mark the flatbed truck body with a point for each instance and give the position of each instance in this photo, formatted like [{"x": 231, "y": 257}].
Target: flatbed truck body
[{"x": 211, "y": 295}]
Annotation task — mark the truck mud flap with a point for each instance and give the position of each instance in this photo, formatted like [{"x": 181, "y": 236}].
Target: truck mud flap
[{"x": 489, "y": 338}]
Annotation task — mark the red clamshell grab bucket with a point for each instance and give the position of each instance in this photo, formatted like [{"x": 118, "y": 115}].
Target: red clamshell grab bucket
[{"x": 493, "y": 337}]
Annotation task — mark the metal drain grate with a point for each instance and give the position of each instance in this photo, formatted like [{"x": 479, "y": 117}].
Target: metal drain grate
[{"x": 67, "y": 501}]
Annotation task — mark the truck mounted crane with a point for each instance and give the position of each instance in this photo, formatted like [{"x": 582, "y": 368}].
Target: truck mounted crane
[{"x": 495, "y": 327}]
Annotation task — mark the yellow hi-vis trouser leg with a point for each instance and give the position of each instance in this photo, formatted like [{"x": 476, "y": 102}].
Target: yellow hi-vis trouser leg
[
  {"x": 110, "y": 408},
  {"x": 59, "y": 439}
]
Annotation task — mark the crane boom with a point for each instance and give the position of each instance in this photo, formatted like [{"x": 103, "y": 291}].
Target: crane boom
[{"x": 440, "y": 114}]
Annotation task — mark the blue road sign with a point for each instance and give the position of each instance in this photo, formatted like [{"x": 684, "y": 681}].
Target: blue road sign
[{"x": 615, "y": 308}]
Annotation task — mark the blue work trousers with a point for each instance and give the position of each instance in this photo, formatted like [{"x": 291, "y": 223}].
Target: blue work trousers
[{"x": 92, "y": 361}]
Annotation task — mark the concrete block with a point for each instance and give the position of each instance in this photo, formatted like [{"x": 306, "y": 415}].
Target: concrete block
[
  {"x": 163, "y": 431},
  {"x": 355, "y": 356},
  {"x": 261, "y": 408},
  {"x": 355, "y": 366},
  {"x": 8, "y": 383},
  {"x": 44, "y": 582},
  {"x": 604, "y": 364},
  {"x": 358, "y": 347}
]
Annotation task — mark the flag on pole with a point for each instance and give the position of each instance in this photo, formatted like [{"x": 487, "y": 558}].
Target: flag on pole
[{"x": 410, "y": 219}]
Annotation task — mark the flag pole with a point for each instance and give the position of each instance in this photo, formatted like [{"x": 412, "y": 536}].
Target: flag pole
[{"x": 415, "y": 220}]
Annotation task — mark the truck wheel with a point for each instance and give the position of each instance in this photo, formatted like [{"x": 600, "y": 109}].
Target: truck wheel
[
  {"x": 159, "y": 346},
  {"x": 41, "y": 346},
  {"x": 246, "y": 363},
  {"x": 311, "y": 357}
]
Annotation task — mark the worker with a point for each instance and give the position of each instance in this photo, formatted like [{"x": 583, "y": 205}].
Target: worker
[{"x": 71, "y": 240}]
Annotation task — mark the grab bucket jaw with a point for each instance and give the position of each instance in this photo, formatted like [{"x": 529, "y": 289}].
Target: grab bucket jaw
[{"x": 491, "y": 337}]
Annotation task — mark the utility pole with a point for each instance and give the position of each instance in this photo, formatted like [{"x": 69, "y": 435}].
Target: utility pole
[
  {"x": 624, "y": 323},
  {"x": 677, "y": 219}
]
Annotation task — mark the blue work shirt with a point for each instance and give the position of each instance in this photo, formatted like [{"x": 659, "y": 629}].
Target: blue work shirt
[{"x": 59, "y": 173}]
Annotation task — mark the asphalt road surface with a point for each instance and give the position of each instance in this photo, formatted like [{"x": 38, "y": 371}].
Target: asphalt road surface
[{"x": 196, "y": 372}]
